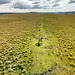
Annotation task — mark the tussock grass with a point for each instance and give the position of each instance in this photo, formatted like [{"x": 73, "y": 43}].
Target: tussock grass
[{"x": 20, "y": 35}]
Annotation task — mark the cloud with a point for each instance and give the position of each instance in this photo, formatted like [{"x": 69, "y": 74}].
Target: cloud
[
  {"x": 54, "y": 1},
  {"x": 21, "y": 5},
  {"x": 5, "y": 1},
  {"x": 56, "y": 5},
  {"x": 35, "y": 4},
  {"x": 72, "y": 1},
  {"x": 50, "y": 5},
  {"x": 36, "y": 7}
]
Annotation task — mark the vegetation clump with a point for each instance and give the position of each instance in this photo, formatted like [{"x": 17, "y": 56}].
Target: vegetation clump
[{"x": 37, "y": 44}]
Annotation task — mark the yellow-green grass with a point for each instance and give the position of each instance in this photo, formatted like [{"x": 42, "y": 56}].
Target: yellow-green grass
[{"x": 35, "y": 43}]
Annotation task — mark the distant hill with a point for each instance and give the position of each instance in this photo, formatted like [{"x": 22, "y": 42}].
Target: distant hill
[
  {"x": 73, "y": 12},
  {"x": 7, "y": 13},
  {"x": 33, "y": 12}
]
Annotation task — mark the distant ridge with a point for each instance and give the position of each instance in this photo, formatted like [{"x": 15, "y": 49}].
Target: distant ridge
[
  {"x": 33, "y": 12},
  {"x": 72, "y": 12},
  {"x": 7, "y": 13}
]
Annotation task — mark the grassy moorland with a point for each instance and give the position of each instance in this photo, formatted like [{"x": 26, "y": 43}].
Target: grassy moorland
[{"x": 37, "y": 44}]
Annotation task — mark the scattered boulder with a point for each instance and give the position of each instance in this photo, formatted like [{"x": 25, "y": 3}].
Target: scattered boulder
[{"x": 38, "y": 44}]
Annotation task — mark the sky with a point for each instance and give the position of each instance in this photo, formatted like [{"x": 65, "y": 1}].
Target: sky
[{"x": 37, "y": 5}]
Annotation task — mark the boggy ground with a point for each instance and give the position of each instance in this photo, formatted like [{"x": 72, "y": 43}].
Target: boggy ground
[{"x": 37, "y": 44}]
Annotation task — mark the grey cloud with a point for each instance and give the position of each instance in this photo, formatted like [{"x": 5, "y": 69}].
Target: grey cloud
[
  {"x": 31, "y": 0},
  {"x": 36, "y": 2},
  {"x": 54, "y": 1},
  {"x": 21, "y": 5},
  {"x": 36, "y": 7},
  {"x": 55, "y": 5},
  {"x": 40, "y": 7},
  {"x": 48, "y": 0},
  {"x": 5, "y": 1},
  {"x": 51, "y": 1},
  {"x": 72, "y": 1}
]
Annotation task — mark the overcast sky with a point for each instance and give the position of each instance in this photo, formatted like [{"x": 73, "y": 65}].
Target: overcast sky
[{"x": 37, "y": 5}]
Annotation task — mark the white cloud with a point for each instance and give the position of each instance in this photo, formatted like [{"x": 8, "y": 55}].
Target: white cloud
[{"x": 37, "y": 5}]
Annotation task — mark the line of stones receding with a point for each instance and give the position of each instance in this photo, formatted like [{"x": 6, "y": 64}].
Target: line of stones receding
[{"x": 39, "y": 42}]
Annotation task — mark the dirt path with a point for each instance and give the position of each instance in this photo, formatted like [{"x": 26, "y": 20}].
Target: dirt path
[{"x": 44, "y": 47}]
